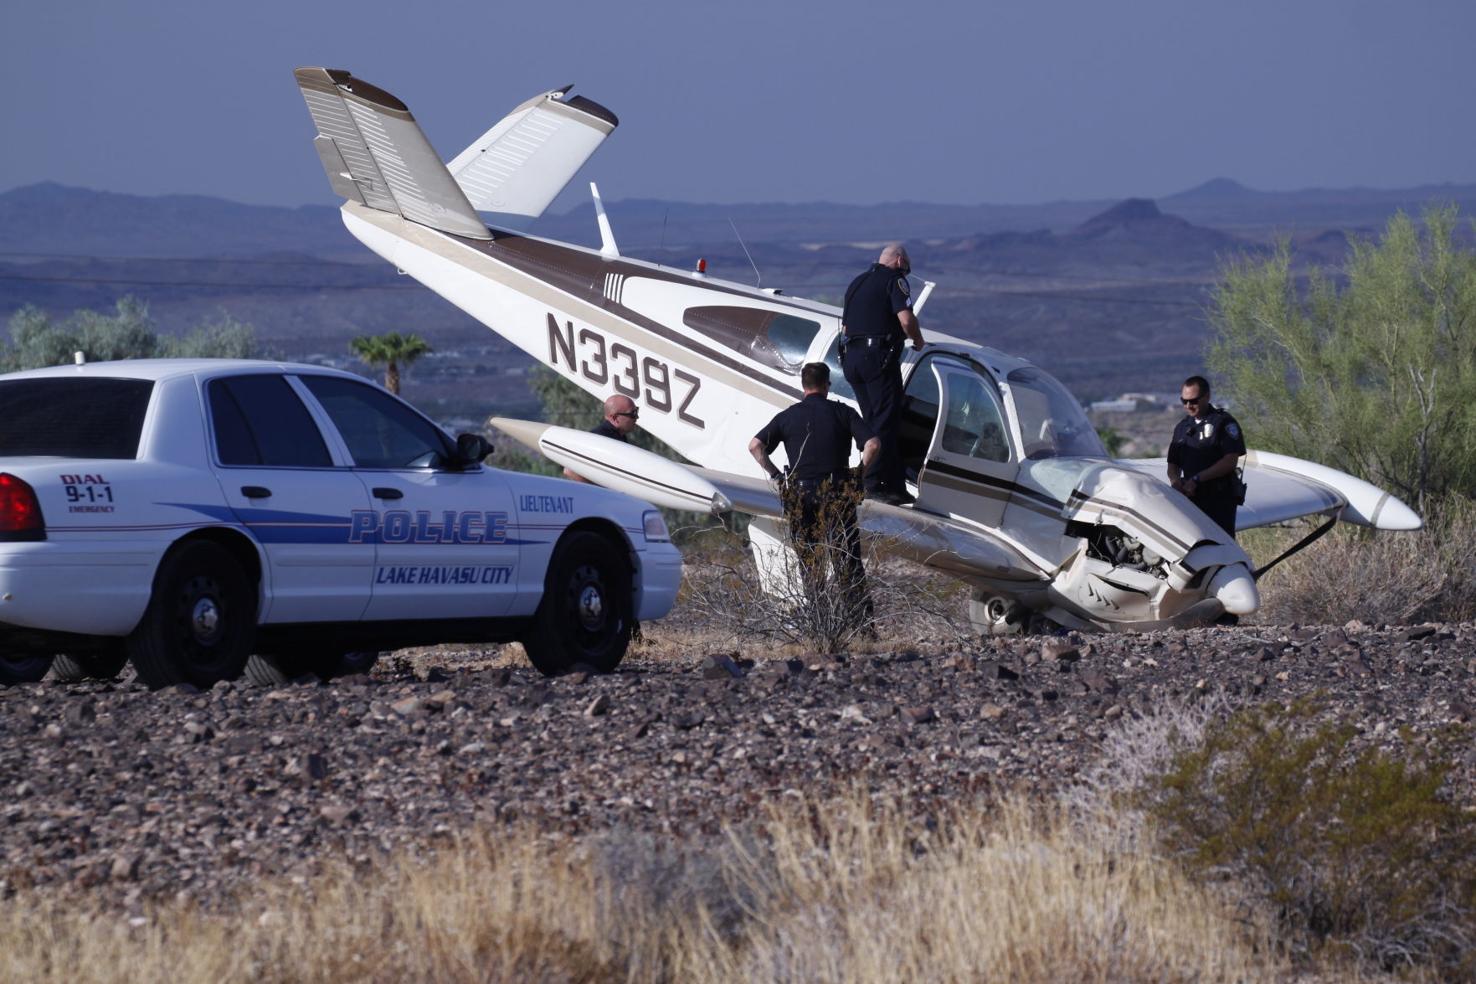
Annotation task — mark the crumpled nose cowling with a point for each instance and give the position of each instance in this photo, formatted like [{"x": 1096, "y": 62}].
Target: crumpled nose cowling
[{"x": 1235, "y": 588}]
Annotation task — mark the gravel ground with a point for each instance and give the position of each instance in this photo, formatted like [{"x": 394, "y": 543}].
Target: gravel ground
[{"x": 136, "y": 795}]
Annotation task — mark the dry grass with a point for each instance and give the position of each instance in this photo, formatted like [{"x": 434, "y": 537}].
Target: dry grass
[
  {"x": 1374, "y": 577},
  {"x": 840, "y": 891}
]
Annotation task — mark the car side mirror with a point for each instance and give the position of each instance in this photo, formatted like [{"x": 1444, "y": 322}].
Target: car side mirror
[{"x": 471, "y": 449}]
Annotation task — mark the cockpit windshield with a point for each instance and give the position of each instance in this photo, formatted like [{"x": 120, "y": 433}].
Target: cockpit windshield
[{"x": 1052, "y": 423}]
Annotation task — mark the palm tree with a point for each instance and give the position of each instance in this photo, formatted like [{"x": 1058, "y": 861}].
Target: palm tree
[{"x": 391, "y": 350}]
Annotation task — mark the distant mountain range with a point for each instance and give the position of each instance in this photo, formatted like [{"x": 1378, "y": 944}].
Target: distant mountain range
[
  {"x": 1109, "y": 295},
  {"x": 53, "y": 218}
]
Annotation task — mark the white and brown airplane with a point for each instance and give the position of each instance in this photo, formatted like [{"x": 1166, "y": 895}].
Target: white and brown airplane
[{"x": 1015, "y": 493}]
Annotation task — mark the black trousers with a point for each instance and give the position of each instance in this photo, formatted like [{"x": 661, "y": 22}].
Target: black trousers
[
  {"x": 823, "y": 522},
  {"x": 1219, "y": 508},
  {"x": 874, "y": 371}
]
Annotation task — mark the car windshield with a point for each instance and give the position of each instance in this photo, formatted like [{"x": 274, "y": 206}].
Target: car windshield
[{"x": 1052, "y": 423}]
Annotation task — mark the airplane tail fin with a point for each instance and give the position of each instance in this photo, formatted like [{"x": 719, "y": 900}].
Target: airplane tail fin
[
  {"x": 519, "y": 166},
  {"x": 375, "y": 154}
]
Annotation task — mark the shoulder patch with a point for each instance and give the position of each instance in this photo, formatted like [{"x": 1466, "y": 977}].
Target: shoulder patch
[
  {"x": 1233, "y": 429},
  {"x": 903, "y": 287}
]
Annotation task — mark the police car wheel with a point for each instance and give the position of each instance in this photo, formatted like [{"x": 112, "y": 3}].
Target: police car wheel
[
  {"x": 585, "y": 615},
  {"x": 22, "y": 669},
  {"x": 201, "y": 620},
  {"x": 103, "y": 664}
]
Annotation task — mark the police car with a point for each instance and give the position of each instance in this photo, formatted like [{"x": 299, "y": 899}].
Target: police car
[{"x": 206, "y": 517}]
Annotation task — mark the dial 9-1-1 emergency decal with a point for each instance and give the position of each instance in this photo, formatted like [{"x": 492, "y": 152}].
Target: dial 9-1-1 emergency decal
[{"x": 87, "y": 493}]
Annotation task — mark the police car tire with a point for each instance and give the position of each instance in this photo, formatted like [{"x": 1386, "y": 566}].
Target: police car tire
[
  {"x": 561, "y": 635},
  {"x": 195, "y": 582},
  {"x": 104, "y": 664},
  {"x": 22, "y": 669}
]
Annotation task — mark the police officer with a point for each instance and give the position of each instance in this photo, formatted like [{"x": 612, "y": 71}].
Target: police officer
[
  {"x": 817, "y": 433},
  {"x": 617, "y": 424},
  {"x": 877, "y": 322},
  {"x": 1203, "y": 454}
]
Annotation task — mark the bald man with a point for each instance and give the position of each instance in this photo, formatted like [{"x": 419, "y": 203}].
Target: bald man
[
  {"x": 877, "y": 323},
  {"x": 620, "y": 419}
]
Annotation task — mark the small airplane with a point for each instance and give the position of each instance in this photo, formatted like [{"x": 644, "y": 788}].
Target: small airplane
[{"x": 1015, "y": 493}]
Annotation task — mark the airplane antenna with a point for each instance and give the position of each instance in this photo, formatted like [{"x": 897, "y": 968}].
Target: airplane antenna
[
  {"x": 608, "y": 248},
  {"x": 758, "y": 278},
  {"x": 664, "y": 216}
]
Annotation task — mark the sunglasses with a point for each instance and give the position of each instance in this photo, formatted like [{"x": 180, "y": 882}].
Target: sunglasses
[
  {"x": 1191, "y": 401},
  {"x": 632, "y": 414}
]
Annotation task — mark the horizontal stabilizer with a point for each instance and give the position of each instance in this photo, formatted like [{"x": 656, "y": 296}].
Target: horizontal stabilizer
[
  {"x": 375, "y": 154},
  {"x": 518, "y": 167}
]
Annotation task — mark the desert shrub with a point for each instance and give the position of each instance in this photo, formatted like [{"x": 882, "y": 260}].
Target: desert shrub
[
  {"x": 38, "y": 340},
  {"x": 1355, "y": 847},
  {"x": 803, "y": 598},
  {"x": 856, "y": 888},
  {"x": 1429, "y": 574},
  {"x": 1375, "y": 375}
]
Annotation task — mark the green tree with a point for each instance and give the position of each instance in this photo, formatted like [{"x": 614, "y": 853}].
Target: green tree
[
  {"x": 391, "y": 350},
  {"x": 38, "y": 339},
  {"x": 1375, "y": 375}
]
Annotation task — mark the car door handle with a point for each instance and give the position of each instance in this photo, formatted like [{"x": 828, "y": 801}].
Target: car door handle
[
  {"x": 388, "y": 493},
  {"x": 256, "y": 492}
]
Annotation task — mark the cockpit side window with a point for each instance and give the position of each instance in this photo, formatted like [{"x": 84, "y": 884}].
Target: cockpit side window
[
  {"x": 973, "y": 425},
  {"x": 770, "y": 337}
]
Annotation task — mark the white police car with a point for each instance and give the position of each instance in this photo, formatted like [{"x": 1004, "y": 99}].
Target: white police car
[{"x": 194, "y": 515}]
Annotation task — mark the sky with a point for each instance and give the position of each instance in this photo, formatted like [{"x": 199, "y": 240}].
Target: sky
[{"x": 807, "y": 100}]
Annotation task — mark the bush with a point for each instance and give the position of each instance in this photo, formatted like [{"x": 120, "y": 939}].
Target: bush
[
  {"x": 1353, "y": 846},
  {"x": 1429, "y": 575},
  {"x": 1377, "y": 376},
  {"x": 38, "y": 341}
]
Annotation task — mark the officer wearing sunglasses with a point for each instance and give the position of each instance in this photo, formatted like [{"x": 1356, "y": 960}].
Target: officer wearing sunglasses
[
  {"x": 1204, "y": 453},
  {"x": 619, "y": 421}
]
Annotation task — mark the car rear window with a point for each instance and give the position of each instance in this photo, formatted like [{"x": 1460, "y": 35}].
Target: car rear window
[{"x": 87, "y": 417}]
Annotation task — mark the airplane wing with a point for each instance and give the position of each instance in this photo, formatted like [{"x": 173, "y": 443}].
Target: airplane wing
[
  {"x": 1281, "y": 488},
  {"x": 925, "y": 537}
]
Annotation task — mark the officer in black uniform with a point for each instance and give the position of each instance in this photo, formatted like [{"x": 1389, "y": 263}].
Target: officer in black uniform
[
  {"x": 620, "y": 419},
  {"x": 1203, "y": 454},
  {"x": 877, "y": 322},
  {"x": 819, "y": 491}
]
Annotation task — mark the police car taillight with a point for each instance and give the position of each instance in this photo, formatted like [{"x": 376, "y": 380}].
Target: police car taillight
[{"x": 20, "y": 513}]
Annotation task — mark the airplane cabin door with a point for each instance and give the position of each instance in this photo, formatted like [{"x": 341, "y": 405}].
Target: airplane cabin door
[{"x": 954, "y": 441}]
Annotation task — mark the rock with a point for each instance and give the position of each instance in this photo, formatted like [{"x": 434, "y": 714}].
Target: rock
[
  {"x": 598, "y": 707},
  {"x": 409, "y": 707},
  {"x": 440, "y": 699},
  {"x": 1417, "y": 632},
  {"x": 125, "y": 866},
  {"x": 1098, "y": 682},
  {"x": 919, "y": 715},
  {"x": 991, "y": 712},
  {"x": 80, "y": 713},
  {"x": 338, "y": 813},
  {"x": 1060, "y": 651},
  {"x": 995, "y": 670},
  {"x": 721, "y": 666},
  {"x": 689, "y": 720},
  {"x": 578, "y": 678},
  {"x": 854, "y": 714}
]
